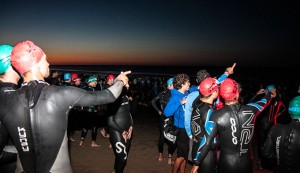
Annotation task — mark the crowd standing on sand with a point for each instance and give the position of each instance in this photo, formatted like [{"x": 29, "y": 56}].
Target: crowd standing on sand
[{"x": 213, "y": 119}]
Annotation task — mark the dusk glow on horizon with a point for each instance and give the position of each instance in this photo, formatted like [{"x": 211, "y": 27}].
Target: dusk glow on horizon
[{"x": 155, "y": 33}]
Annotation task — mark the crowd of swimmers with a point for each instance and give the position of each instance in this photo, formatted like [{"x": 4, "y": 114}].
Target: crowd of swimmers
[{"x": 216, "y": 119}]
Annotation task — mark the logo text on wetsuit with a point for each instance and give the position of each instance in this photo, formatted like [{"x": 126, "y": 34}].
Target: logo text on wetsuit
[
  {"x": 121, "y": 147},
  {"x": 247, "y": 131},
  {"x": 233, "y": 128},
  {"x": 23, "y": 139},
  {"x": 277, "y": 148}
]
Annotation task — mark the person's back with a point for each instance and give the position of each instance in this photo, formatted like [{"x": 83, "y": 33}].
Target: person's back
[
  {"x": 283, "y": 142},
  {"x": 234, "y": 126},
  {"x": 8, "y": 84},
  {"x": 235, "y": 131},
  {"x": 36, "y": 115},
  {"x": 40, "y": 122}
]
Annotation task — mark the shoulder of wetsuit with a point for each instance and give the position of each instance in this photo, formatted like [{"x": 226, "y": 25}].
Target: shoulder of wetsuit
[{"x": 33, "y": 92}]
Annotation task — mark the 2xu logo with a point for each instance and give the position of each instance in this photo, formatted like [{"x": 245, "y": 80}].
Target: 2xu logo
[{"x": 23, "y": 139}]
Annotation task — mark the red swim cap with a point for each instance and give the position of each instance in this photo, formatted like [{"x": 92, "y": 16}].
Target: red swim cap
[
  {"x": 25, "y": 55},
  {"x": 110, "y": 77},
  {"x": 229, "y": 89},
  {"x": 75, "y": 77},
  {"x": 208, "y": 86}
]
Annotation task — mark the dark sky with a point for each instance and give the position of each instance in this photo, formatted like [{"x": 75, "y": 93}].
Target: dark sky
[{"x": 206, "y": 33}]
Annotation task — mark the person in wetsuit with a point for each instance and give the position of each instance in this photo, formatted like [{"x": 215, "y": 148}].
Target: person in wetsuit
[
  {"x": 36, "y": 114},
  {"x": 162, "y": 98},
  {"x": 202, "y": 108},
  {"x": 282, "y": 144},
  {"x": 91, "y": 112},
  {"x": 234, "y": 126},
  {"x": 267, "y": 119},
  {"x": 8, "y": 83},
  {"x": 201, "y": 75},
  {"x": 120, "y": 130}
]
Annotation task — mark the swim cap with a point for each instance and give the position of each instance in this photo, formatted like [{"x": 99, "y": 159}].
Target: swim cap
[
  {"x": 229, "y": 89},
  {"x": 169, "y": 82},
  {"x": 67, "y": 76},
  {"x": 208, "y": 86},
  {"x": 5, "y": 53},
  {"x": 294, "y": 107},
  {"x": 270, "y": 87},
  {"x": 110, "y": 77},
  {"x": 25, "y": 55},
  {"x": 74, "y": 77},
  {"x": 92, "y": 79},
  {"x": 201, "y": 75}
]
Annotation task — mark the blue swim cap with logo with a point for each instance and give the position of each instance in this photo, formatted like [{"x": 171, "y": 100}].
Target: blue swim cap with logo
[{"x": 5, "y": 53}]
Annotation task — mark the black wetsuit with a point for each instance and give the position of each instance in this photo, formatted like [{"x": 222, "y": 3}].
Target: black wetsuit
[
  {"x": 7, "y": 159},
  {"x": 163, "y": 98},
  {"x": 264, "y": 122},
  {"x": 91, "y": 113},
  {"x": 202, "y": 110},
  {"x": 36, "y": 117},
  {"x": 118, "y": 123},
  {"x": 283, "y": 145},
  {"x": 234, "y": 125}
]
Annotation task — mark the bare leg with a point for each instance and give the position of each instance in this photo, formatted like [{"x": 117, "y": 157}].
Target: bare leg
[
  {"x": 170, "y": 159},
  {"x": 177, "y": 164},
  {"x": 182, "y": 166}
]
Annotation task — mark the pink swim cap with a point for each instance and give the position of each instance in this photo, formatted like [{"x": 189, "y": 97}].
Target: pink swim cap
[
  {"x": 229, "y": 89},
  {"x": 25, "y": 55}
]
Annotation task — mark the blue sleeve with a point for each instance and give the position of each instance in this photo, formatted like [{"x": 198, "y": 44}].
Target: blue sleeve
[
  {"x": 262, "y": 103},
  {"x": 188, "y": 112},
  {"x": 194, "y": 88},
  {"x": 172, "y": 106},
  {"x": 222, "y": 78}
]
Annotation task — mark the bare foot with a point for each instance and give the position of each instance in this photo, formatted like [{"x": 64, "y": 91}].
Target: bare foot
[
  {"x": 104, "y": 133},
  {"x": 161, "y": 158},
  {"x": 94, "y": 144},
  {"x": 81, "y": 143},
  {"x": 170, "y": 162}
]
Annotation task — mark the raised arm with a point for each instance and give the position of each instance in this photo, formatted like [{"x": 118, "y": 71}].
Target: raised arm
[{"x": 228, "y": 71}]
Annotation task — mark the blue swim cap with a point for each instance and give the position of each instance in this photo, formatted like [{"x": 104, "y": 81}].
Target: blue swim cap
[
  {"x": 270, "y": 87},
  {"x": 5, "y": 53},
  {"x": 67, "y": 76},
  {"x": 169, "y": 81},
  {"x": 294, "y": 107}
]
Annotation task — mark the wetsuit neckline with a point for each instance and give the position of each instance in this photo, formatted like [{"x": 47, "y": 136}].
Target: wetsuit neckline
[{"x": 37, "y": 81}]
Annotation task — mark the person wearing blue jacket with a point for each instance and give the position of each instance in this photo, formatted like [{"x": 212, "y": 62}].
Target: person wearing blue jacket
[{"x": 175, "y": 107}]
